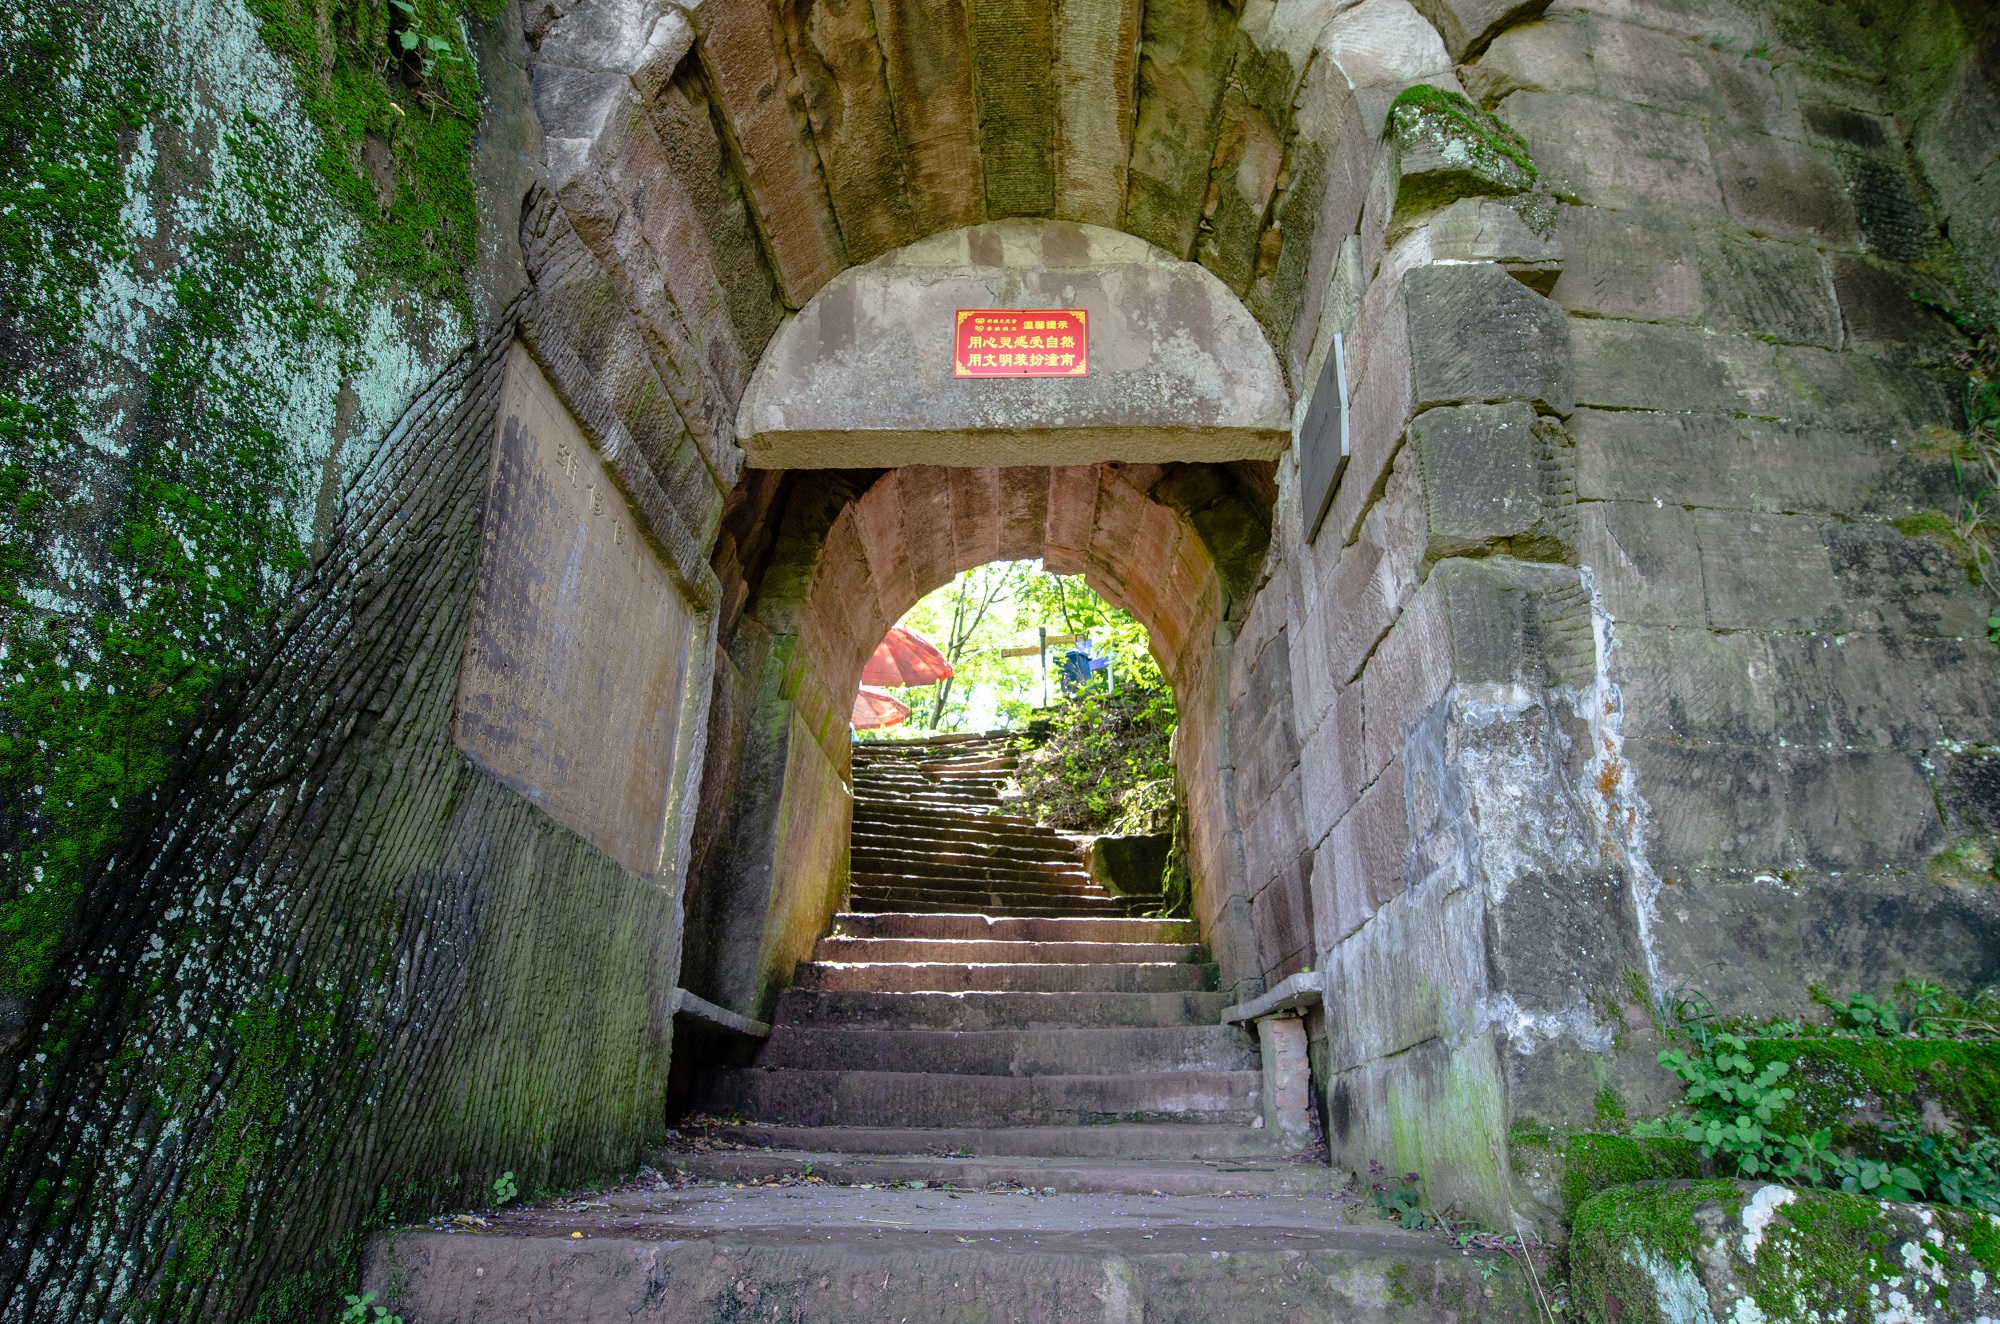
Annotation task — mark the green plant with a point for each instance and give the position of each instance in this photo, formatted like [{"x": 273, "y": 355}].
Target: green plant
[
  {"x": 1105, "y": 763},
  {"x": 504, "y": 1190},
  {"x": 361, "y": 1310},
  {"x": 1729, "y": 1107},
  {"x": 1401, "y": 1200},
  {"x": 1967, "y": 1175}
]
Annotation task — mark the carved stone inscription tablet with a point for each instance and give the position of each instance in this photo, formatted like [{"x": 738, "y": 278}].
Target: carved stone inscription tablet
[{"x": 570, "y": 690}]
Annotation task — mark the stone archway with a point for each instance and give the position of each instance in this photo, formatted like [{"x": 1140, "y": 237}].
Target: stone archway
[{"x": 1171, "y": 544}]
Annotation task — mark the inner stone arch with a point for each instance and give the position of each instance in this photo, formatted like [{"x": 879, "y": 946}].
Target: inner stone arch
[
  {"x": 1169, "y": 543},
  {"x": 1179, "y": 369}
]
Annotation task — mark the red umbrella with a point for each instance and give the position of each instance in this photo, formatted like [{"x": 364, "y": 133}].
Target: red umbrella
[
  {"x": 905, "y": 657},
  {"x": 874, "y": 709}
]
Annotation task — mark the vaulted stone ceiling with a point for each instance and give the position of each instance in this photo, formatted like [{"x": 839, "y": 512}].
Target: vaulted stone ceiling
[{"x": 811, "y": 135}]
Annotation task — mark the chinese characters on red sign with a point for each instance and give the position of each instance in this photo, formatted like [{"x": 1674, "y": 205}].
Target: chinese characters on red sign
[{"x": 1028, "y": 342}]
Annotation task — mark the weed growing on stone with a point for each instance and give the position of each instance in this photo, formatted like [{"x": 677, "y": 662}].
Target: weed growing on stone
[
  {"x": 363, "y": 1310},
  {"x": 1734, "y": 1106}
]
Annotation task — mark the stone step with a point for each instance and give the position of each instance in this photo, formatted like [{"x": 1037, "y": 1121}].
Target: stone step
[
  {"x": 983, "y": 900},
  {"x": 1052, "y": 1051},
  {"x": 942, "y": 977},
  {"x": 1080, "y": 886},
  {"x": 1272, "y": 1175},
  {"x": 909, "y": 864},
  {"x": 829, "y": 1254},
  {"x": 918, "y": 855},
  {"x": 967, "y": 860},
  {"x": 1000, "y": 950},
  {"x": 898, "y": 814},
  {"x": 1140, "y": 1141},
  {"x": 868, "y": 1009},
  {"x": 999, "y": 904},
  {"x": 897, "y": 1098},
  {"x": 1079, "y": 929},
  {"x": 955, "y": 904},
  {"x": 957, "y": 849},
  {"x": 1023, "y": 846}
]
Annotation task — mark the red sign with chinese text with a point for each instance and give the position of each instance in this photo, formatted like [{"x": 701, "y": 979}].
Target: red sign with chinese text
[{"x": 1027, "y": 342}]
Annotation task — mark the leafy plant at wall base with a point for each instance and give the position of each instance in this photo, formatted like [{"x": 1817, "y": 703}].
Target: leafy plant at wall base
[
  {"x": 1730, "y": 1104},
  {"x": 362, "y": 1310},
  {"x": 1106, "y": 763},
  {"x": 504, "y": 1189}
]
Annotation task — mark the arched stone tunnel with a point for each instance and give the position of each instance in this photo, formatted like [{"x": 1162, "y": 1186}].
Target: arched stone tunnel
[{"x": 454, "y": 496}]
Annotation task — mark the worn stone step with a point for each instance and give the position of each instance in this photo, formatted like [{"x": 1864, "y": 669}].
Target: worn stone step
[
  {"x": 890, "y": 815},
  {"x": 1049, "y": 1051},
  {"x": 1274, "y": 1174},
  {"x": 864, "y": 845},
  {"x": 943, "y": 977},
  {"x": 842, "y": 1255},
  {"x": 967, "y": 861},
  {"x": 912, "y": 864},
  {"x": 997, "y": 950},
  {"x": 1078, "y": 929},
  {"x": 983, "y": 901},
  {"x": 1048, "y": 887},
  {"x": 862, "y": 1009},
  {"x": 957, "y": 904},
  {"x": 1026, "y": 847},
  {"x": 1192, "y": 1141},
  {"x": 895, "y": 1098}
]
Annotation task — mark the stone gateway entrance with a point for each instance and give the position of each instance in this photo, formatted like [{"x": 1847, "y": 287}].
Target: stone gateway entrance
[{"x": 461, "y": 456}]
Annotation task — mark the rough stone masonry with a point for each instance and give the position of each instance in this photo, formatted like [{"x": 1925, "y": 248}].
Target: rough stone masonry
[{"x": 459, "y": 454}]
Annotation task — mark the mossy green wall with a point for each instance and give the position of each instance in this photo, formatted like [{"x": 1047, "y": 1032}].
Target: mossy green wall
[{"x": 277, "y": 963}]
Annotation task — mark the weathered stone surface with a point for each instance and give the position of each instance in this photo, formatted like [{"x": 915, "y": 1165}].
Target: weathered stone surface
[
  {"x": 1643, "y": 560},
  {"x": 1331, "y": 767},
  {"x": 1709, "y": 806},
  {"x": 1778, "y": 186},
  {"x": 1467, "y": 25},
  {"x": 1647, "y": 268},
  {"x": 1742, "y": 686},
  {"x": 1734, "y": 1249},
  {"x": 1765, "y": 572},
  {"x": 863, "y": 376},
  {"x": 1370, "y": 847},
  {"x": 1013, "y": 64},
  {"x": 1096, "y": 89},
  {"x": 1480, "y": 467},
  {"x": 927, "y": 55},
  {"x": 1184, "y": 62},
  {"x": 1901, "y": 584},
  {"x": 1879, "y": 303},
  {"x": 1487, "y": 230},
  {"x": 1445, "y": 151},
  {"x": 1446, "y": 335},
  {"x": 837, "y": 62},
  {"x": 1381, "y": 43},
  {"x": 1710, "y": 460},
  {"x": 572, "y": 686},
  {"x": 1608, "y": 153},
  {"x": 1549, "y": 55},
  {"x": 750, "y": 76}
]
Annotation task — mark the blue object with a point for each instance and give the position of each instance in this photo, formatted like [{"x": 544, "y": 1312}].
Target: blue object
[{"x": 1079, "y": 664}]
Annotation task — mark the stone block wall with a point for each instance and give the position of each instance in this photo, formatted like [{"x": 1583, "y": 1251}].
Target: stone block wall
[{"x": 1621, "y": 664}]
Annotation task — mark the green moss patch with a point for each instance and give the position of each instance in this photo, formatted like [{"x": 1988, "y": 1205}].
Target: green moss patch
[
  {"x": 1592, "y": 1163},
  {"x": 1847, "y": 1083},
  {"x": 1676, "y": 1251},
  {"x": 1450, "y": 149}
]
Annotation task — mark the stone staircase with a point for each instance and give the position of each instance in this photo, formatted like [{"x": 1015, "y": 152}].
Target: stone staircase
[
  {"x": 981, "y": 1025},
  {"x": 982, "y": 996},
  {"x": 930, "y": 837}
]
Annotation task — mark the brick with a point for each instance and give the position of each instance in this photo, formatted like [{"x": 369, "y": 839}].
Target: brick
[
  {"x": 1609, "y": 153},
  {"x": 1765, "y": 572},
  {"x": 1644, "y": 562}
]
